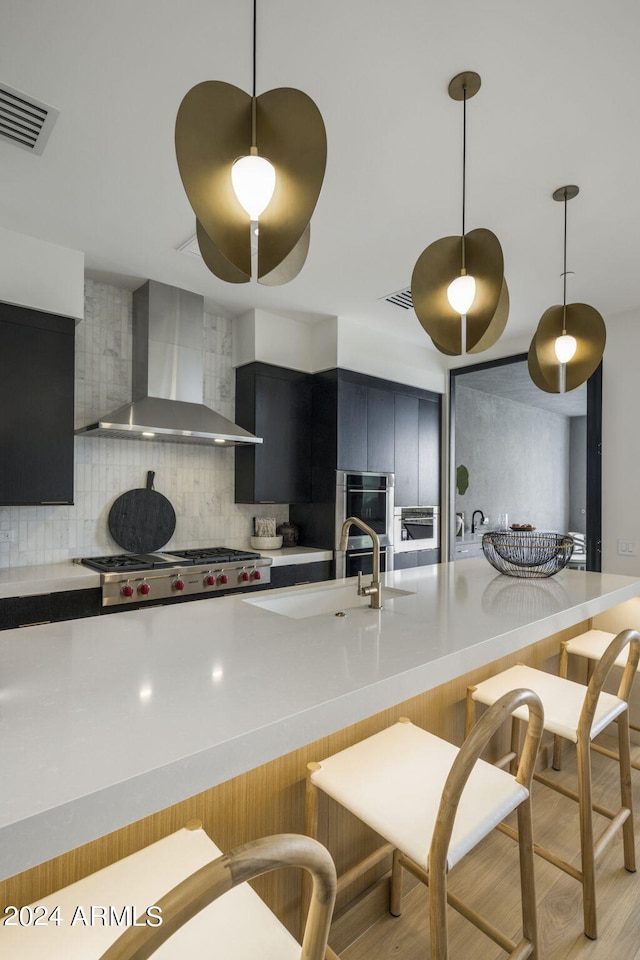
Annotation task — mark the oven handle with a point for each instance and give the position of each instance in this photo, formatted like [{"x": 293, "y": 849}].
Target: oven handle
[
  {"x": 367, "y": 490},
  {"x": 361, "y": 553}
]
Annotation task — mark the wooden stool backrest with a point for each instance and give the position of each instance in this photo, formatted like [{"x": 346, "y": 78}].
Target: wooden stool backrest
[
  {"x": 602, "y": 670},
  {"x": 464, "y": 763},
  {"x": 244, "y": 863}
]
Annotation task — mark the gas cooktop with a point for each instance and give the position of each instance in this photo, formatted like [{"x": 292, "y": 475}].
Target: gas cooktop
[
  {"x": 131, "y": 579},
  {"x": 125, "y": 562}
]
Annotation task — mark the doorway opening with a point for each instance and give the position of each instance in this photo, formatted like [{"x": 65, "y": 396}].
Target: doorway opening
[{"x": 522, "y": 455}]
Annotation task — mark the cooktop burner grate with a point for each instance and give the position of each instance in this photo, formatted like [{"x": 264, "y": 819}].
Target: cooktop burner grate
[
  {"x": 213, "y": 555},
  {"x": 128, "y": 561}
]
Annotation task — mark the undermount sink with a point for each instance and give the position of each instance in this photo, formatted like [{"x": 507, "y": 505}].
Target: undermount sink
[{"x": 314, "y": 602}]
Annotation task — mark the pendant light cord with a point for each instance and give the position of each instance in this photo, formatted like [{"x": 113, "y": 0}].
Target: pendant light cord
[
  {"x": 253, "y": 93},
  {"x": 464, "y": 167},
  {"x": 564, "y": 275}
]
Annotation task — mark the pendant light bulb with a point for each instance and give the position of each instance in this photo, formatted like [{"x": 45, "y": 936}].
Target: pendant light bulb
[
  {"x": 461, "y": 293},
  {"x": 565, "y": 347},
  {"x": 253, "y": 179}
]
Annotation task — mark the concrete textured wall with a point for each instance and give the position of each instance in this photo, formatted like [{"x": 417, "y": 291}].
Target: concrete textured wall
[{"x": 518, "y": 461}]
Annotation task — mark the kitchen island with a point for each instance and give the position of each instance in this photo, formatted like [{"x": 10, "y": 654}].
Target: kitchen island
[{"x": 110, "y": 720}]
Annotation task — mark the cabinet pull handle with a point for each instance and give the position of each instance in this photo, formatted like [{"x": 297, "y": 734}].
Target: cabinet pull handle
[{"x": 35, "y": 623}]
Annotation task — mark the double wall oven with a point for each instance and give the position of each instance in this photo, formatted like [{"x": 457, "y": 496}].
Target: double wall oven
[{"x": 368, "y": 496}]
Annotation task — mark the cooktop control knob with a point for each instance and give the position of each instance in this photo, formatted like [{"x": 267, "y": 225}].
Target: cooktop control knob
[
  {"x": 127, "y": 590},
  {"x": 210, "y": 580},
  {"x": 244, "y": 576},
  {"x": 223, "y": 578},
  {"x": 144, "y": 589},
  {"x": 256, "y": 575},
  {"x": 178, "y": 584}
]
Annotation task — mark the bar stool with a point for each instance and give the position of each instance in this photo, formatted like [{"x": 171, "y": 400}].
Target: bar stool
[
  {"x": 590, "y": 645},
  {"x": 578, "y": 714},
  {"x": 432, "y": 803},
  {"x": 188, "y": 865}
]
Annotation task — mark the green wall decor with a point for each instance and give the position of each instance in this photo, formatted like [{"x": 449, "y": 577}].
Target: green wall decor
[{"x": 462, "y": 479}]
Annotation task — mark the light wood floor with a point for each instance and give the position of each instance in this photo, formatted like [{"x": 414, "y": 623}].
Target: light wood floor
[{"x": 488, "y": 878}]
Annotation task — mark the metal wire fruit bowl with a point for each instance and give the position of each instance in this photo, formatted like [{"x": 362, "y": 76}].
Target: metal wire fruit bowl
[{"x": 520, "y": 553}]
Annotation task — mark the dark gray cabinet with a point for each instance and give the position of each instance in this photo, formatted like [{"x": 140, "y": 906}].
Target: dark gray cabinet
[
  {"x": 275, "y": 404},
  {"x": 352, "y": 426},
  {"x": 36, "y": 407},
  {"x": 415, "y": 558},
  {"x": 406, "y": 450},
  {"x": 380, "y": 430},
  {"x": 429, "y": 467},
  {"x": 292, "y": 574},
  {"x": 49, "y": 607},
  {"x": 364, "y": 423}
]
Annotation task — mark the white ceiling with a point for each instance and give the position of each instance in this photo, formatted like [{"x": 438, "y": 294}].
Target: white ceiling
[{"x": 558, "y": 105}]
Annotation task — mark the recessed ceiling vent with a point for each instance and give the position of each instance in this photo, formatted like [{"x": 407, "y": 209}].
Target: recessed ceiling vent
[
  {"x": 401, "y": 298},
  {"x": 25, "y": 122}
]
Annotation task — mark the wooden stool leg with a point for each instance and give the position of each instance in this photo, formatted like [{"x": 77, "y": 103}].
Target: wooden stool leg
[
  {"x": 311, "y": 830},
  {"x": 438, "y": 914},
  {"x": 586, "y": 839},
  {"x": 563, "y": 669},
  {"x": 395, "y": 895},
  {"x": 470, "y": 711},
  {"x": 626, "y": 792},
  {"x": 527, "y": 877}
]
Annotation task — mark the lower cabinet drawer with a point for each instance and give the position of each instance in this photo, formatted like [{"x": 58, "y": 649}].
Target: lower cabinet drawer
[
  {"x": 49, "y": 607},
  {"x": 465, "y": 550},
  {"x": 294, "y": 573},
  {"x": 415, "y": 558}
]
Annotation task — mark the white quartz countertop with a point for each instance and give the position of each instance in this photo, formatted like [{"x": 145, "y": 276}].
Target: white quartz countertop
[
  {"x": 46, "y": 578},
  {"x": 106, "y": 720},
  {"x": 289, "y": 555}
]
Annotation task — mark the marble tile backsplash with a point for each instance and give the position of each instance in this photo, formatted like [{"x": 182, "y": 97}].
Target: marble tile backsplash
[{"x": 198, "y": 480}]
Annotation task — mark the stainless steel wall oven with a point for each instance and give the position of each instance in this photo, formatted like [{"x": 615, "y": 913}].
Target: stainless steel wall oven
[
  {"x": 416, "y": 528},
  {"x": 369, "y": 496}
]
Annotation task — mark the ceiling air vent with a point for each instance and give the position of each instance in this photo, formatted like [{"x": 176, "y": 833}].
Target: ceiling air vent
[
  {"x": 24, "y": 121},
  {"x": 401, "y": 298}
]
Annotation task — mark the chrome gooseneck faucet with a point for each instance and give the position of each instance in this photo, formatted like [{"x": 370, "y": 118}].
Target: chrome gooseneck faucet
[
  {"x": 374, "y": 590},
  {"x": 473, "y": 519}
]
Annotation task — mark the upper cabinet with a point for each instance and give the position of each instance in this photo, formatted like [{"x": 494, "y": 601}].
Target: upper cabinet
[
  {"x": 387, "y": 427},
  {"x": 273, "y": 403},
  {"x": 36, "y": 407},
  {"x": 336, "y": 420}
]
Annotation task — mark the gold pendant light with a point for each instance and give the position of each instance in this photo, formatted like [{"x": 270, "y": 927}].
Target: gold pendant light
[
  {"x": 248, "y": 160},
  {"x": 569, "y": 342},
  {"x": 458, "y": 288}
]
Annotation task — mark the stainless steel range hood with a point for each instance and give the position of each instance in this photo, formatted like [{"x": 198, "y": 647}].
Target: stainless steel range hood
[{"x": 168, "y": 376}]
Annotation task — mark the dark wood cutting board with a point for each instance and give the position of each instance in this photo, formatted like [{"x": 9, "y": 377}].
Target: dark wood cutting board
[{"x": 142, "y": 520}]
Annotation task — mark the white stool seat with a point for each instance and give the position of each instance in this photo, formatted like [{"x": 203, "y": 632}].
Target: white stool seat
[
  {"x": 239, "y": 926},
  {"x": 393, "y": 781},
  {"x": 562, "y": 700},
  {"x": 593, "y": 644}
]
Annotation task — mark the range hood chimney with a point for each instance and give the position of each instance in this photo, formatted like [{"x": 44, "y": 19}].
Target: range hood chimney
[{"x": 168, "y": 376}]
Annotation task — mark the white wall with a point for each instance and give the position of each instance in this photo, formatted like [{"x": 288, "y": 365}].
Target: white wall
[
  {"x": 621, "y": 442},
  {"x": 325, "y": 343},
  {"x": 41, "y": 275}
]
